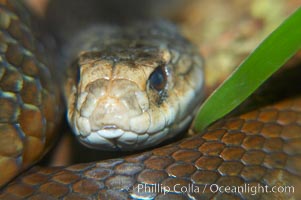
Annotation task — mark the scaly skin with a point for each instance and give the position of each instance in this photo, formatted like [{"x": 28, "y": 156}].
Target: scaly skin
[
  {"x": 29, "y": 100},
  {"x": 262, "y": 146}
]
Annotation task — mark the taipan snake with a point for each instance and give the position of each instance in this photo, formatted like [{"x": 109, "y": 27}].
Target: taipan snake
[{"x": 136, "y": 86}]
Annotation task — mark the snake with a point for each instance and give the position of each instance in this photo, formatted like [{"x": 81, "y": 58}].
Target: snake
[{"x": 131, "y": 87}]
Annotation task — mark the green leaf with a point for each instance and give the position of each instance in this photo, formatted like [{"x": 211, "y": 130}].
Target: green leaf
[{"x": 267, "y": 58}]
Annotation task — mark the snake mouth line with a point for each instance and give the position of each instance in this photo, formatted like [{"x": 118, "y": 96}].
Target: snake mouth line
[
  {"x": 113, "y": 138},
  {"x": 118, "y": 139}
]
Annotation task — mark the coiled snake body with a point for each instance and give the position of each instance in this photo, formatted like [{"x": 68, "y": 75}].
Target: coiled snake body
[{"x": 260, "y": 147}]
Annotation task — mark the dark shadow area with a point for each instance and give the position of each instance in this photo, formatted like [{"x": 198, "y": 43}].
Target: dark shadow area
[{"x": 65, "y": 17}]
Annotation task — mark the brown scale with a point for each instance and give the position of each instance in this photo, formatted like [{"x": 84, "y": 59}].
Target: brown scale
[
  {"x": 231, "y": 152},
  {"x": 24, "y": 97}
]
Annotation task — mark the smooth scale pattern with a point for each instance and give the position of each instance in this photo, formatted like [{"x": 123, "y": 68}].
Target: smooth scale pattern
[{"x": 29, "y": 100}]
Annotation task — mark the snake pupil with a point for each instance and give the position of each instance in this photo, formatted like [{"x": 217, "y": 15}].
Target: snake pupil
[{"x": 157, "y": 79}]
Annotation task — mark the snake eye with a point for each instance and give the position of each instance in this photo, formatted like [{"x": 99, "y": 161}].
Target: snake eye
[{"x": 158, "y": 79}]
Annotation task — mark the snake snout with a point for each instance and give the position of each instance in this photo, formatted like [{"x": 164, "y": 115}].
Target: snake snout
[
  {"x": 105, "y": 121},
  {"x": 114, "y": 112}
]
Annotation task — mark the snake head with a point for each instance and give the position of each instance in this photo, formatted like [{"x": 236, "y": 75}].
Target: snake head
[{"x": 132, "y": 95}]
